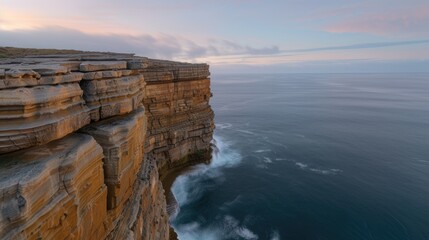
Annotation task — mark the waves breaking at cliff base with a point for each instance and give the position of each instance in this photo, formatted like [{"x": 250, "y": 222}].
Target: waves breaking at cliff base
[{"x": 190, "y": 187}]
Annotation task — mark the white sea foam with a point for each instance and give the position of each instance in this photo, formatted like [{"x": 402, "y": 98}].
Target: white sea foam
[
  {"x": 262, "y": 150},
  {"x": 268, "y": 160},
  {"x": 223, "y": 125},
  {"x": 247, "y": 132},
  {"x": 234, "y": 230},
  {"x": 187, "y": 187},
  {"x": 246, "y": 233},
  {"x": 193, "y": 231},
  {"x": 301, "y": 165},
  {"x": 228, "y": 228},
  {"x": 331, "y": 171},
  {"x": 275, "y": 235}
]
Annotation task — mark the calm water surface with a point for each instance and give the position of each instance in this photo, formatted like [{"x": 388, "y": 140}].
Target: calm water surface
[{"x": 312, "y": 156}]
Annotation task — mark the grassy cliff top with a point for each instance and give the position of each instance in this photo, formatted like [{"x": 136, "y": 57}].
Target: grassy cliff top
[{"x": 11, "y": 52}]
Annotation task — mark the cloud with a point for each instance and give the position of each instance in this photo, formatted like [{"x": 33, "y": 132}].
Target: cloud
[
  {"x": 360, "y": 46},
  {"x": 151, "y": 45},
  {"x": 329, "y": 66},
  {"x": 236, "y": 49},
  {"x": 225, "y": 55},
  {"x": 393, "y": 20},
  {"x": 313, "y": 54}
]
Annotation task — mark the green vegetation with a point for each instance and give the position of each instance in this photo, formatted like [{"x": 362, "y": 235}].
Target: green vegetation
[{"x": 7, "y": 52}]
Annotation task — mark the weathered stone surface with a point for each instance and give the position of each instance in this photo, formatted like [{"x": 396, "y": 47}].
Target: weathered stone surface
[
  {"x": 92, "y": 66},
  {"x": 108, "y": 74},
  {"x": 54, "y": 191},
  {"x": 163, "y": 71},
  {"x": 122, "y": 139},
  {"x": 180, "y": 120},
  {"x": 42, "y": 69},
  {"x": 19, "y": 73},
  {"x": 113, "y": 96},
  {"x": 145, "y": 215},
  {"x": 34, "y": 79},
  {"x": 62, "y": 193},
  {"x": 138, "y": 63},
  {"x": 37, "y": 115}
]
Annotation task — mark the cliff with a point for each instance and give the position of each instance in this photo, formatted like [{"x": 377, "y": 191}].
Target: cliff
[{"x": 87, "y": 138}]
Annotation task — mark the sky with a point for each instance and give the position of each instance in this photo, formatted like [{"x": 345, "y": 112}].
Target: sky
[{"x": 233, "y": 36}]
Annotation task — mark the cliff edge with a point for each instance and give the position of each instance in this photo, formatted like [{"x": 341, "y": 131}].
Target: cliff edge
[{"x": 86, "y": 139}]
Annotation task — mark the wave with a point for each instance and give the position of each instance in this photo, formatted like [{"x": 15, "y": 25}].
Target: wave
[
  {"x": 331, "y": 171},
  {"x": 223, "y": 125},
  {"x": 275, "y": 235},
  {"x": 301, "y": 165},
  {"x": 267, "y": 160},
  {"x": 262, "y": 150},
  {"x": 246, "y": 132},
  {"x": 228, "y": 228},
  {"x": 192, "y": 185}
]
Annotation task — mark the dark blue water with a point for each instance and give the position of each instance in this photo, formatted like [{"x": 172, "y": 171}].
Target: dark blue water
[{"x": 312, "y": 156}]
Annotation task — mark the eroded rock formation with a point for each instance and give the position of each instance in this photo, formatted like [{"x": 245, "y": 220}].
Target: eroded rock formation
[{"x": 85, "y": 140}]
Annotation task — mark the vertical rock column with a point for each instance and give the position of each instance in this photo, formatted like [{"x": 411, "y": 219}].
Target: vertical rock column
[
  {"x": 121, "y": 138},
  {"x": 54, "y": 191}
]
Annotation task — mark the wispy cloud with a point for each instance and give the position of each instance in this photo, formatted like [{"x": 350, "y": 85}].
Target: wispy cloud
[
  {"x": 391, "y": 20},
  {"x": 329, "y": 66},
  {"x": 152, "y": 45},
  {"x": 309, "y": 54},
  {"x": 359, "y": 46}
]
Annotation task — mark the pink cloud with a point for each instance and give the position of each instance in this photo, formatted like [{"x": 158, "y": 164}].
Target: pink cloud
[{"x": 411, "y": 21}]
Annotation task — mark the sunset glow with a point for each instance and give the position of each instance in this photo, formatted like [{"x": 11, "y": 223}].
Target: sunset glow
[{"x": 230, "y": 32}]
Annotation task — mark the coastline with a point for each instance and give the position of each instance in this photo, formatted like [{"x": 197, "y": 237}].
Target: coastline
[{"x": 168, "y": 176}]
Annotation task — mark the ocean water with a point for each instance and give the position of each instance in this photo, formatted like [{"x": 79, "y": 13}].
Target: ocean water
[{"x": 312, "y": 156}]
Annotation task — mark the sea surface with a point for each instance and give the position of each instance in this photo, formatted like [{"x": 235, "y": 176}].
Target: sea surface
[{"x": 312, "y": 156}]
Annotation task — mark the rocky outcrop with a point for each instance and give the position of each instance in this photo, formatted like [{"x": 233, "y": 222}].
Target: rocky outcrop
[
  {"x": 38, "y": 105},
  {"x": 86, "y": 139},
  {"x": 110, "y": 89}
]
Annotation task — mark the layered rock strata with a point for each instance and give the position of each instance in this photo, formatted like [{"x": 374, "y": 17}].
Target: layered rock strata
[
  {"x": 180, "y": 119},
  {"x": 110, "y": 89},
  {"x": 86, "y": 139},
  {"x": 39, "y": 105},
  {"x": 55, "y": 191}
]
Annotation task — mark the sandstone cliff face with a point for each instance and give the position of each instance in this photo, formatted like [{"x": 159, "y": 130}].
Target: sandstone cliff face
[
  {"x": 54, "y": 191},
  {"x": 180, "y": 119},
  {"x": 86, "y": 139}
]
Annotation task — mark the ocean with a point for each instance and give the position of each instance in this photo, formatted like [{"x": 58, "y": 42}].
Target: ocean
[{"x": 312, "y": 156}]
